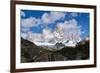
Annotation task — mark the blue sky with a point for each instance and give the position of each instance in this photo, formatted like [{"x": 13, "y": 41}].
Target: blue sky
[{"x": 36, "y": 21}]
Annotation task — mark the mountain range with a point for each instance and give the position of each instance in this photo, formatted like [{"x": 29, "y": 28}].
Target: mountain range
[{"x": 30, "y": 52}]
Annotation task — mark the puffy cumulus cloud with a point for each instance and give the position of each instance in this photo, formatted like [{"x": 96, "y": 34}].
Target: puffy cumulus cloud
[
  {"x": 46, "y": 18},
  {"x": 51, "y": 17},
  {"x": 30, "y": 22},
  {"x": 71, "y": 24},
  {"x": 27, "y": 23},
  {"x": 47, "y": 35},
  {"x": 68, "y": 26},
  {"x": 22, "y": 14},
  {"x": 34, "y": 36},
  {"x": 70, "y": 29},
  {"x": 57, "y": 15}
]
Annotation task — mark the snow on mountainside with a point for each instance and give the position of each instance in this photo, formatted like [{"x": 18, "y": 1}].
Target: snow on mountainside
[
  {"x": 52, "y": 43},
  {"x": 55, "y": 46},
  {"x": 59, "y": 45},
  {"x": 70, "y": 44},
  {"x": 43, "y": 43}
]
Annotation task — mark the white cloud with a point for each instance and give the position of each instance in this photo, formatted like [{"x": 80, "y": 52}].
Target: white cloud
[
  {"x": 25, "y": 29},
  {"x": 57, "y": 15},
  {"x": 51, "y": 17},
  {"x": 70, "y": 29},
  {"x": 74, "y": 14},
  {"x": 47, "y": 35},
  {"x": 46, "y": 18},
  {"x": 34, "y": 36},
  {"x": 30, "y": 22},
  {"x": 71, "y": 24},
  {"x": 22, "y": 14}
]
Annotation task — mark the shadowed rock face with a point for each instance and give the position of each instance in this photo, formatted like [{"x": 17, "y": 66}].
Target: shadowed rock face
[
  {"x": 32, "y": 53},
  {"x": 59, "y": 45},
  {"x": 28, "y": 50}
]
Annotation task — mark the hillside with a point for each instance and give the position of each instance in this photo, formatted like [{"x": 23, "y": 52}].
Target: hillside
[{"x": 32, "y": 53}]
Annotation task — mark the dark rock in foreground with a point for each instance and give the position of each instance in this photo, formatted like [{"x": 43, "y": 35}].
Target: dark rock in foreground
[{"x": 32, "y": 53}]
